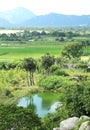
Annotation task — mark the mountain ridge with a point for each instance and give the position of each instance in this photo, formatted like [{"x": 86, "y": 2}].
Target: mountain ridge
[
  {"x": 55, "y": 20},
  {"x": 22, "y": 17},
  {"x": 17, "y": 15}
]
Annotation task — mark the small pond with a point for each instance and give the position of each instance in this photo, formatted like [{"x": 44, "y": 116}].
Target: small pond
[{"x": 42, "y": 103}]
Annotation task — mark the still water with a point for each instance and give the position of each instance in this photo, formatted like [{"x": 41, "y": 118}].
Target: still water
[{"x": 42, "y": 103}]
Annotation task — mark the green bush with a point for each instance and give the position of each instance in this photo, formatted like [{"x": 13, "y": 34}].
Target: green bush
[
  {"x": 83, "y": 65},
  {"x": 8, "y": 92},
  {"x": 56, "y": 70},
  {"x": 3, "y": 65},
  {"x": 18, "y": 118},
  {"x": 53, "y": 82},
  {"x": 60, "y": 72},
  {"x": 78, "y": 99},
  {"x": 14, "y": 82},
  {"x": 53, "y": 68},
  {"x": 10, "y": 65}
]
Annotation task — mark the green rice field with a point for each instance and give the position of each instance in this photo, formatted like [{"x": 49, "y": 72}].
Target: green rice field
[
  {"x": 35, "y": 51},
  {"x": 17, "y": 51}
]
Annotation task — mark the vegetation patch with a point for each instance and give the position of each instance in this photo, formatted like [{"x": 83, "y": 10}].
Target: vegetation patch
[{"x": 53, "y": 82}]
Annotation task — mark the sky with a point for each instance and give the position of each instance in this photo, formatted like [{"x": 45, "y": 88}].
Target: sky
[{"x": 41, "y": 7}]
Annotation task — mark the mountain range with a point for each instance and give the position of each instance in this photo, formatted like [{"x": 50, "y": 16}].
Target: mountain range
[{"x": 22, "y": 17}]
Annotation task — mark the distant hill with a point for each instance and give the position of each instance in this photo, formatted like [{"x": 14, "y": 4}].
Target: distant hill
[
  {"x": 22, "y": 17},
  {"x": 17, "y": 15},
  {"x": 57, "y": 20},
  {"x": 4, "y": 23}
]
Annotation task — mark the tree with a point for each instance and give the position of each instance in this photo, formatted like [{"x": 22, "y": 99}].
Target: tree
[
  {"x": 29, "y": 65},
  {"x": 58, "y": 34},
  {"x": 35, "y": 33},
  {"x": 47, "y": 61},
  {"x": 69, "y": 34},
  {"x": 43, "y": 33},
  {"x": 4, "y": 37},
  {"x": 18, "y": 118},
  {"x": 72, "y": 50}
]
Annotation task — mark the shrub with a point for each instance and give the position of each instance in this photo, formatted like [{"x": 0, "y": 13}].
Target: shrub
[
  {"x": 78, "y": 99},
  {"x": 82, "y": 65},
  {"x": 10, "y": 65},
  {"x": 3, "y": 65},
  {"x": 52, "y": 82},
  {"x": 53, "y": 68},
  {"x": 18, "y": 118},
  {"x": 7, "y": 93},
  {"x": 61, "y": 72},
  {"x": 14, "y": 82},
  {"x": 58, "y": 71}
]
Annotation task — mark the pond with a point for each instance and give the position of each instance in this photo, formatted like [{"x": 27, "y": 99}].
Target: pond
[{"x": 42, "y": 103}]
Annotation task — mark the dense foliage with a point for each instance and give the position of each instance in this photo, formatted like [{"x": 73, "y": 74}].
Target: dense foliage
[
  {"x": 78, "y": 99},
  {"x": 72, "y": 50},
  {"x": 47, "y": 61},
  {"x": 53, "y": 82},
  {"x": 18, "y": 118}
]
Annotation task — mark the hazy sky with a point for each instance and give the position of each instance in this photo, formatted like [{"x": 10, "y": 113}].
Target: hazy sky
[{"x": 39, "y": 7}]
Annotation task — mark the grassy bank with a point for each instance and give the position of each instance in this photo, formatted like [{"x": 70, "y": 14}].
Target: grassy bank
[
  {"x": 13, "y": 85},
  {"x": 17, "y": 94}
]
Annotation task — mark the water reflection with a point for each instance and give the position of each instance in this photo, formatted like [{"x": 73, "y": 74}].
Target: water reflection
[{"x": 40, "y": 103}]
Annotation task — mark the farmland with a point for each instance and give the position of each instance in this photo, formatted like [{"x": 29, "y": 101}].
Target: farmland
[
  {"x": 18, "y": 44},
  {"x": 35, "y": 51}
]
